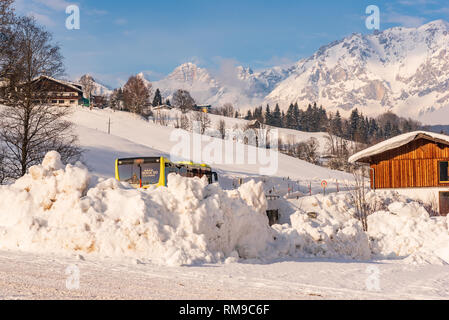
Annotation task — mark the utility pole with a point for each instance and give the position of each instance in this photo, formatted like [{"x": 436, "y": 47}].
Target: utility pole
[{"x": 109, "y": 126}]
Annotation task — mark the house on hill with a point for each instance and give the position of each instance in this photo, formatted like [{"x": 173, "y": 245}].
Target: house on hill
[
  {"x": 205, "y": 108},
  {"x": 414, "y": 164},
  {"x": 58, "y": 92}
]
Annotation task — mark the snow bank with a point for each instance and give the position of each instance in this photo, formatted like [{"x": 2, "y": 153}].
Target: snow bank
[
  {"x": 407, "y": 231},
  {"x": 52, "y": 209},
  {"x": 322, "y": 226},
  {"x": 398, "y": 228},
  {"x": 60, "y": 209}
]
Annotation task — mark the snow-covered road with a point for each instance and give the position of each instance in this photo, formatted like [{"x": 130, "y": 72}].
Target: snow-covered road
[{"x": 31, "y": 276}]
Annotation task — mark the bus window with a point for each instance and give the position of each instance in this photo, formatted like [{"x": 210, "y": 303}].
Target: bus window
[
  {"x": 183, "y": 172},
  {"x": 168, "y": 170},
  {"x": 129, "y": 173},
  {"x": 150, "y": 173}
]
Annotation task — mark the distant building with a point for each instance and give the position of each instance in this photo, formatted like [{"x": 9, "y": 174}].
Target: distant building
[
  {"x": 162, "y": 107},
  {"x": 255, "y": 124},
  {"x": 415, "y": 164},
  {"x": 205, "y": 108},
  {"x": 58, "y": 92}
]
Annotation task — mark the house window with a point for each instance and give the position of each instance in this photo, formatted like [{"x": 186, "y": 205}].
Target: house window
[
  {"x": 72, "y": 101},
  {"x": 61, "y": 101},
  {"x": 54, "y": 101},
  {"x": 444, "y": 172}
]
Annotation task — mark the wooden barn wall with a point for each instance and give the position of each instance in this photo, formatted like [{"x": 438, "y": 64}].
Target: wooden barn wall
[{"x": 412, "y": 165}]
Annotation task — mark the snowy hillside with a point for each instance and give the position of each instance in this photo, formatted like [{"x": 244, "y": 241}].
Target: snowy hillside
[
  {"x": 286, "y": 135},
  {"x": 131, "y": 135}
]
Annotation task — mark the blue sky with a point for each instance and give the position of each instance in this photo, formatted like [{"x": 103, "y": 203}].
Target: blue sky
[{"x": 120, "y": 38}]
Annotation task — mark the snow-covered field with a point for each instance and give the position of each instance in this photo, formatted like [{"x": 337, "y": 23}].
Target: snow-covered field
[
  {"x": 158, "y": 243},
  {"x": 32, "y": 276}
]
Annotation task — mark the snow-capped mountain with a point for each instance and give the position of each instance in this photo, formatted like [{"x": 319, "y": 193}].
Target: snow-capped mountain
[
  {"x": 237, "y": 85},
  {"x": 189, "y": 77},
  {"x": 405, "y": 70}
]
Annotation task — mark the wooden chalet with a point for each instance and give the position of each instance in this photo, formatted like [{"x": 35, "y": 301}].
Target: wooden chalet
[
  {"x": 58, "y": 92},
  {"x": 415, "y": 164}
]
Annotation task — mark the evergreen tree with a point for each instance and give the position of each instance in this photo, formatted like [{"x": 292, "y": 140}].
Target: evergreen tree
[
  {"x": 336, "y": 125},
  {"x": 290, "y": 121},
  {"x": 353, "y": 123},
  {"x": 277, "y": 117},
  {"x": 387, "y": 130},
  {"x": 157, "y": 101},
  {"x": 258, "y": 114},
  {"x": 307, "y": 119},
  {"x": 297, "y": 116},
  {"x": 268, "y": 116}
]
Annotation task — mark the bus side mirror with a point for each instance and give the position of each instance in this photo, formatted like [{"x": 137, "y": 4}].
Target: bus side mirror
[{"x": 215, "y": 177}]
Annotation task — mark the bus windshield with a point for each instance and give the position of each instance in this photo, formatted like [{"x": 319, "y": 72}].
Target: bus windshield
[
  {"x": 139, "y": 173},
  {"x": 150, "y": 173}
]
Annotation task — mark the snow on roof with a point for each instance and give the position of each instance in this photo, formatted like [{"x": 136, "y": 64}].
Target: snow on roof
[
  {"x": 65, "y": 83},
  {"x": 397, "y": 142}
]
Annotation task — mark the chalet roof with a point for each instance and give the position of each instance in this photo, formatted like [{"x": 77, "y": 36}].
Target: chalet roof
[
  {"x": 397, "y": 142},
  {"x": 71, "y": 85}
]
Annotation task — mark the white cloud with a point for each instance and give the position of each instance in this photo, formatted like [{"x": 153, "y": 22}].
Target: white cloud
[
  {"x": 54, "y": 4},
  {"x": 404, "y": 20},
  {"x": 417, "y": 2},
  {"x": 42, "y": 18}
]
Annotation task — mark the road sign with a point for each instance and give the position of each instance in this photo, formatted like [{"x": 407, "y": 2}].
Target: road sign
[{"x": 324, "y": 186}]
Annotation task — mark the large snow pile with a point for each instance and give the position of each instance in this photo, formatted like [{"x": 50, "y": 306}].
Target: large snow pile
[
  {"x": 398, "y": 228},
  {"x": 323, "y": 227},
  {"x": 62, "y": 209},
  {"x": 53, "y": 209}
]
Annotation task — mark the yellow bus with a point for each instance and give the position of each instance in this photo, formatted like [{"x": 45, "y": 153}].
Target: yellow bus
[{"x": 153, "y": 171}]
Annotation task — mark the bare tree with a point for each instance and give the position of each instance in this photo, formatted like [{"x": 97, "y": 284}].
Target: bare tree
[
  {"x": 161, "y": 118},
  {"x": 116, "y": 99},
  {"x": 358, "y": 197},
  {"x": 136, "y": 94},
  {"x": 6, "y": 12},
  {"x": 203, "y": 121},
  {"x": 29, "y": 127},
  {"x": 88, "y": 86},
  {"x": 308, "y": 150},
  {"x": 227, "y": 110},
  {"x": 222, "y": 128},
  {"x": 6, "y": 36},
  {"x": 185, "y": 122},
  {"x": 183, "y": 100}
]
